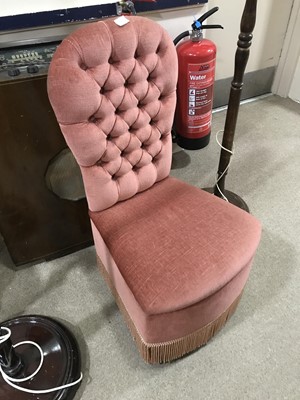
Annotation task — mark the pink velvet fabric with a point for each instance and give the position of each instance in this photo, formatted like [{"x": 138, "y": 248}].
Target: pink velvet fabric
[
  {"x": 163, "y": 327},
  {"x": 113, "y": 92},
  {"x": 176, "y": 245}
]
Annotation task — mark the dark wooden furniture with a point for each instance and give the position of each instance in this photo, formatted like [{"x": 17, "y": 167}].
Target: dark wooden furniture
[{"x": 35, "y": 223}]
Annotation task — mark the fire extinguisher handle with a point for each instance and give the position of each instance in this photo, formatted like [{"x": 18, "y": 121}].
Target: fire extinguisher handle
[
  {"x": 197, "y": 25},
  {"x": 212, "y": 27},
  {"x": 208, "y": 14}
]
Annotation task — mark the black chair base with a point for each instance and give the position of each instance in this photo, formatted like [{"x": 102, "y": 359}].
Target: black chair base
[
  {"x": 232, "y": 198},
  {"x": 61, "y": 364}
]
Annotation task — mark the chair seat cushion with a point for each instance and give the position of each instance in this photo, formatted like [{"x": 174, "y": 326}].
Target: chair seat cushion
[{"x": 175, "y": 245}]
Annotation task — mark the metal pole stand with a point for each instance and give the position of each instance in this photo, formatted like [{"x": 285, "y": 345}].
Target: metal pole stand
[{"x": 241, "y": 59}]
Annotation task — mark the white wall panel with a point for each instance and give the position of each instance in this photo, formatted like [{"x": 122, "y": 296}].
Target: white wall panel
[
  {"x": 271, "y": 25},
  {"x": 178, "y": 21},
  {"x": 294, "y": 93}
]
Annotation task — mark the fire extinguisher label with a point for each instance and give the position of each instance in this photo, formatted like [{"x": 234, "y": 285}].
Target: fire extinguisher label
[{"x": 200, "y": 93}]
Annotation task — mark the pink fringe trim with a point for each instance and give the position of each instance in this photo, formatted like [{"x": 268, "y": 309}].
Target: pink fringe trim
[{"x": 164, "y": 352}]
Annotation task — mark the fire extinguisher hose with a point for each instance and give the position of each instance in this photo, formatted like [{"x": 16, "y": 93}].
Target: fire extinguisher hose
[{"x": 180, "y": 37}]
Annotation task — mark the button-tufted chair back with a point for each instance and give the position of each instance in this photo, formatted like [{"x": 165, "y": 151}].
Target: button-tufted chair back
[{"x": 113, "y": 90}]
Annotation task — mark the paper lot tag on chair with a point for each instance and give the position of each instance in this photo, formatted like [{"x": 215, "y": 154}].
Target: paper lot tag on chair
[{"x": 121, "y": 21}]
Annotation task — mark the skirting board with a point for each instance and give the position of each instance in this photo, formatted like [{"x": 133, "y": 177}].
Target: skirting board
[{"x": 256, "y": 83}]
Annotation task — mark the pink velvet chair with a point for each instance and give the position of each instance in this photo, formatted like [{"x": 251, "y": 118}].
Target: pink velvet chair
[{"x": 175, "y": 257}]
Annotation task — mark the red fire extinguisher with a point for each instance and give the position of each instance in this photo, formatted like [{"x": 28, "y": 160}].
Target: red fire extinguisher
[{"x": 196, "y": 60}]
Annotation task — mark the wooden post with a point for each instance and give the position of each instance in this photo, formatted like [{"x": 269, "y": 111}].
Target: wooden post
[{"x": 241, "y": 59}]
